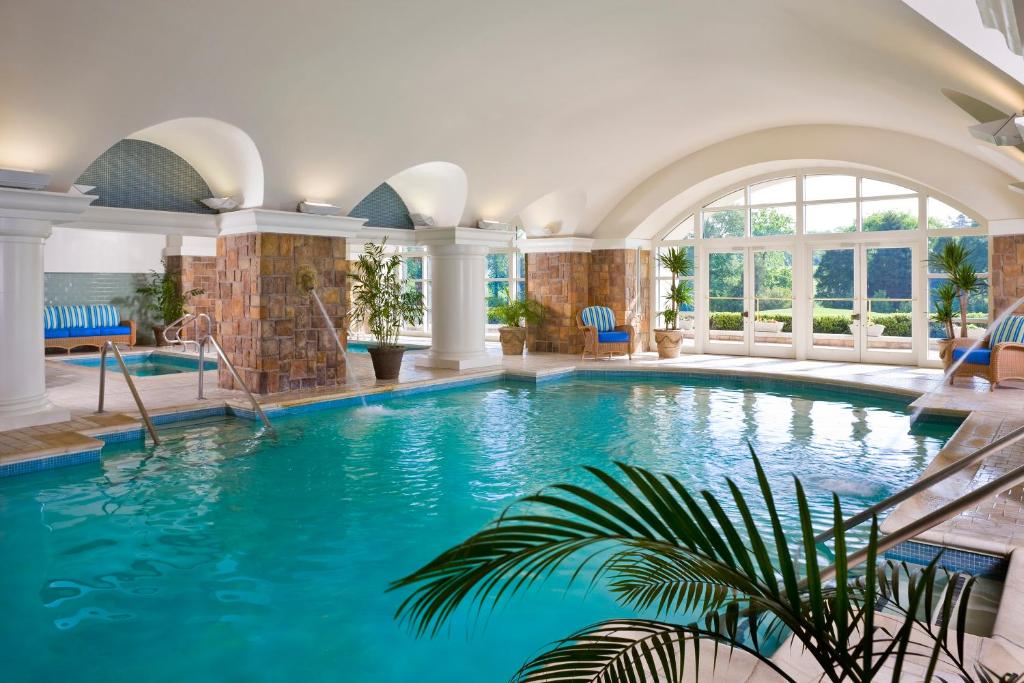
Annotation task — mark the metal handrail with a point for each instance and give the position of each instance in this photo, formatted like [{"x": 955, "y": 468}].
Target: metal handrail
[
  {"x": 180, "y": 325},
  {"x": 238, "y": 380},
  {"x": 131, "y": 386},
  {"x": 927, "y": 482},
  {"x": 1011, "y": 479}
]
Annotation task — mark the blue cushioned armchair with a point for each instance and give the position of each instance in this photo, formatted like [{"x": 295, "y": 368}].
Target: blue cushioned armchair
[{"x": 601, "y": 335}]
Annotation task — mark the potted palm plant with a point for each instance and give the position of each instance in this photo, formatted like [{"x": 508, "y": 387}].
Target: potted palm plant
[
  {"x": 165, "y": 300},
  {"x": 670, "y": 338},
  {"x": 945, "y": 298},
  {"x": 385, "y": 302},
  {"x": 953, "y": 259},
  {"x": 515, "y": 316}
]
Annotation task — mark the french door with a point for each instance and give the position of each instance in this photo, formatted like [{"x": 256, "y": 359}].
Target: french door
[
  {"x": 863, "y": 303},
  {"x": 749, "y": 301}
]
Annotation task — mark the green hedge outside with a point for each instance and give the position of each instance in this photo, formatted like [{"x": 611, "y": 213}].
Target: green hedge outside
[{"x": 896, "y": 324}]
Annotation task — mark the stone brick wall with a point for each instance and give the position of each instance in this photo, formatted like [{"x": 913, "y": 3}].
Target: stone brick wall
[
  {"x": 273, "y": 333},
  {"x": 196, "y": 272},
  {"x": 561, "y": 283},
  {"x": 1007, "y": 272},
  {"x": 568, "y": 282},
  {"x": 614, "y": 277}
]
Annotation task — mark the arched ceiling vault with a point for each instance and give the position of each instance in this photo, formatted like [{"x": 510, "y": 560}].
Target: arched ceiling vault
[{"x": 589, "y": 94}]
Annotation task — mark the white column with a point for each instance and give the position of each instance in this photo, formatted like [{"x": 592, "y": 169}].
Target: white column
[
  {"x": 458, "y": 267},
  {"x": 26, "y": 220}
]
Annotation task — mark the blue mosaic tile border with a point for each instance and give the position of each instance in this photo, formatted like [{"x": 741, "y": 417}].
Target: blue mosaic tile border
[
  {"x": 195, "y": 414},
  {"x": 121, "y": 437},
  {"x": 52, "y": 462},
  {"x": 953, "y": 559}
]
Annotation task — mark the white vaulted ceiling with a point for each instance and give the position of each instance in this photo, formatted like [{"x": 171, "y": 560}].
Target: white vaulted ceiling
[{"x": 600, "y": 97}]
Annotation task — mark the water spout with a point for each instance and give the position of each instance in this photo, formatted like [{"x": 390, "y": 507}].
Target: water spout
[{"x": 350, "y": 375}]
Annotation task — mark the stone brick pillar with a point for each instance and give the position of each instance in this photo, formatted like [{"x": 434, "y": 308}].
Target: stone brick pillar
[
  {"x": 272, "y": 332},
  {"x": 561, "y": 282},
  {"x": 196, "y": 272},
  {"x": 620, "y": 280},
  {"x": 1007, "y": 272}
]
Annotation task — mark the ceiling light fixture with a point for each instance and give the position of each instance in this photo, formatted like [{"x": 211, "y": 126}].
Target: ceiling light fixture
[
  {"x": 318, "y": 208},
  {"x": 222, "y": 203},
  {"x": 23, "y": 180},
  {"x": 484, "y": 224},
  {"x": 1001, "y": 132}
]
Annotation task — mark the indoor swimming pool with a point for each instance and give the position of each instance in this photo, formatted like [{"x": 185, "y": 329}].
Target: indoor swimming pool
[{"x": 224, "y": 549}]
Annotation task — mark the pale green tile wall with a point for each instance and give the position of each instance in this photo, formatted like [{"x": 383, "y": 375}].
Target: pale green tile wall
[{"x": 101, "y": 288}]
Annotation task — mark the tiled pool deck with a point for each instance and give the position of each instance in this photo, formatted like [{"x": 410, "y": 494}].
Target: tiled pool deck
[{"x": 995, "y": 527}]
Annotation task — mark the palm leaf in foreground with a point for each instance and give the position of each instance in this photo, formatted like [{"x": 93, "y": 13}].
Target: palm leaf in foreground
[{"x": 658, "y": 547}]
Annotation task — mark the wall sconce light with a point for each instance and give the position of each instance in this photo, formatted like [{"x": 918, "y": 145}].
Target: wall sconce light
[
  {"x": 23, "y": 180},
  {"x": 318, "y": 208},
  {"x": 494, "y": 225},
  {"x": 422, "y": 220},
  {"x": 222, "y": 203},
  {"x": 81, "y": 189},
  {"x": 1002, "y": 133}
]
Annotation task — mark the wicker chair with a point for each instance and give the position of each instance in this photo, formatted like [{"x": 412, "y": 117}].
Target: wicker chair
[
  {"x": 601, "y": 335},
  {"x": 995, "y": 363}
]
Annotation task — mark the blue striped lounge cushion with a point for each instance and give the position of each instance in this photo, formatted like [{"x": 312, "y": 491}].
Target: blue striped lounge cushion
[
  {"x": 73, "y": 316},
  {"x": 103, "y": 315},
  {"x": 1010, "y": 330},
  {"x": 51, "y": 318},
  {"x": 600, "y": 317}
]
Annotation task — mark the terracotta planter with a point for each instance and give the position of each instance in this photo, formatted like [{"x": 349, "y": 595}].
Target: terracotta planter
[
  {"x": 513, "y": 340},
  {"x": 669, "y": 342},
  {"x": 387, "y": 362},
  {"x": 946, "y": 347},
  {"x": 158, "y": 332}
]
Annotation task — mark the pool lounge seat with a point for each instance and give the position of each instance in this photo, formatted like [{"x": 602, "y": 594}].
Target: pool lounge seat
[
  {"x": 999, "y": 358},
  {"x": 601, "y": 335},
  {"x": 69, "y": 327}
]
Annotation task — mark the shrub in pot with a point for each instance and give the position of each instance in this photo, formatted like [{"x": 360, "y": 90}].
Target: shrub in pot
[
  {"x": 515, "y": 316},
  {"x": 954, "y": 260},
  {"x": 165, "y": 300},
  {"x": 384, "y": 302},
  {"x": 945, "y": 297},
  {"x": 670, "y": 338}
]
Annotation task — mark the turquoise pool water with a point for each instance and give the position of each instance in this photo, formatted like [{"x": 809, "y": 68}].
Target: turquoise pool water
[
  {"x": 361, "y": 347},
  {"x": 148, "y": 364},
  {"x": 224, "y": 556}
]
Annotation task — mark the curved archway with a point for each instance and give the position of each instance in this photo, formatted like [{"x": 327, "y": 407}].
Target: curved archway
[
  {"x": 434, "y": 192},
  {"x": 223, "y": 154},
  {"x": 556, "y": 213},
  {"x": 944, "y": 171}
]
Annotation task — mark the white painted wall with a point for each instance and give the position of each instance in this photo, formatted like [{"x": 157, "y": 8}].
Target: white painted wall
[{"x": 69, "y": 250}]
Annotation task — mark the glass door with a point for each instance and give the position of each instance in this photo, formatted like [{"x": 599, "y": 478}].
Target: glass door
[
  {"x": 889, "y": 305},
  {"x": 835, "y": 307},
  {"x": 863, "y": 304},
  {"x": 726, "y": 328},
  {"x": 772, "y": 302}
]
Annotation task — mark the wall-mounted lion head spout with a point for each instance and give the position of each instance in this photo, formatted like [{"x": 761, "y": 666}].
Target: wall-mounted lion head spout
[{"x": 306, "y": 278}]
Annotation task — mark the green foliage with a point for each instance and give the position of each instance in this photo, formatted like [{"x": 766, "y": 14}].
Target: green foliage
[
  {"x": 512, "y": 313},
  {"x": 945, "y": 297},
  {"x": 677, "y": 262},
  {"x": 954, "y": 259},
  {"x": 164, "y": 296},
  {"x": 771, "y": 221},
  {"x": 661, "y": 548},
  {"x": 896, "y": 324},
  {"x": 381, "y": 298},
  {"x": 884, "y": 221}
]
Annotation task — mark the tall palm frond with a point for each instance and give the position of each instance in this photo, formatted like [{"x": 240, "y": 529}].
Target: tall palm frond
[{"x": 658, "y": 547}]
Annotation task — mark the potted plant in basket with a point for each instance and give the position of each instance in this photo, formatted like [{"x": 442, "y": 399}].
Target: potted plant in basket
[
  {"x": 945, "y": 296},
  {"x": 384, "y": 302},
  {"x": 515, "y": 316},
  {"x": 166, "y": 300},
  {"x": 670, "y": 338}
]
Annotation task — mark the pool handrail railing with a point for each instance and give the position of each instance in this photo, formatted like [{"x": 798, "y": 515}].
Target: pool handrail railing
[{"x": 109, "y": 345}]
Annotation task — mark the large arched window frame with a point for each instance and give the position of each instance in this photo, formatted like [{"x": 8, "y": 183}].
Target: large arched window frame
[{"x": 795, "y": 210}]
